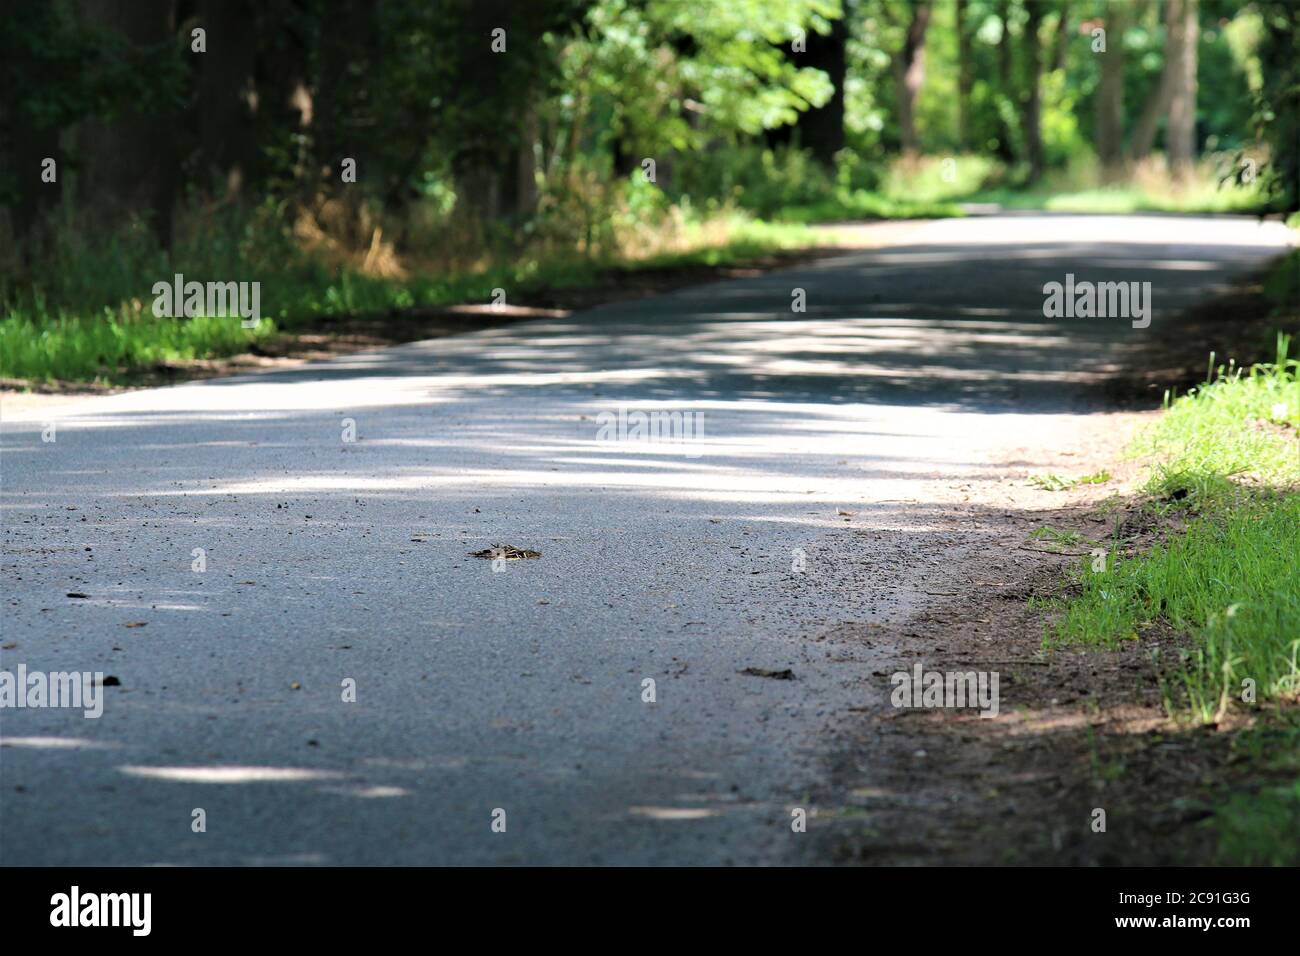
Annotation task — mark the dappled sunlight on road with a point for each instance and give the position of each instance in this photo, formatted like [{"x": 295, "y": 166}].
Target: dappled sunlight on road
[
  {"x": 227, "y": 775},
  {"x": 282, "y": 533},
  {"x": 54, "y": 743}
]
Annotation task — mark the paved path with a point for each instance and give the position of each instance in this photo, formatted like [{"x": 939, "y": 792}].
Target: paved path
[{"x": 522, "y": 689}]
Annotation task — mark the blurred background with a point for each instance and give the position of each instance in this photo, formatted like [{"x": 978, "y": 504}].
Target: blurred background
[{"x": 358, "y": 157}]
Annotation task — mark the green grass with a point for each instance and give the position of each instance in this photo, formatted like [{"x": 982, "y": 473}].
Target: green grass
[
  {"x": 1225, "y": 458},
  {"x": 1067, "y": 539},
  {"x": 1125, "y": 199},
  {"x": 99, "y": 347},
  {"x": 747, "y": 239},
  {"x": 1147, "y": 187},
  {"x": 938, "y": 186},
  {"x": 862, "y": 204},
  {"x": 1228, "y": 456},
  {"x": 1240, "y": 424},
  {"x": 1259, "y": 829},
  {"x": 922, "y": 188},
  {"x": 1232, "y": 580},
  {"x": 1054, "y": 482},
  {"x": 91, "y": 320}
]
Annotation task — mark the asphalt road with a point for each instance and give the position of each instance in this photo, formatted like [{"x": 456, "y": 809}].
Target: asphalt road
[{"x": 520, "y": 686}]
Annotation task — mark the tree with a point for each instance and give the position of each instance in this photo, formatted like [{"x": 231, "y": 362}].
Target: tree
[
  {"x": 820, "y": 128},
  {"x": 61, "y": 71},
  {"x": 1031, "y": 99},
  {"x": 130, "y": 159},
  {"x": 1005, "y": 96},
  {"x": 964, "y": 78},
  {"x": 1180, "y": 135},
  {"x": 1110, "y": 92},
  {"x": 909, "y": 74},
  {"x": 1175, "y": 95},
  {"x": 350, "y": 50},
  {"x": 1277, "y": 104},
  {"x": 30, "y": 117},
  {"x": 486, "y": 111},
  {"x": 225, "y": 86}
]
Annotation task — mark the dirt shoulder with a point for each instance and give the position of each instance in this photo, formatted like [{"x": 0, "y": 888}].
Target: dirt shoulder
[
  {"x": 911, "y": 785},
  {"x": 1080, "y": 729}
]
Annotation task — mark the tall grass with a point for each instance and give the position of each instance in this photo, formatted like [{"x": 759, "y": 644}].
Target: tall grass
[
  {"x": 1242, "y": 423},
  {"x": 1147, "y": 186},
  {"x": 85, "y": 313},
  {"x": 1231, "y": 580},
  {"x": 788, "y": 185},
  {"x": 101, "y": 347},
  {"x": 1228, "y": 454}
]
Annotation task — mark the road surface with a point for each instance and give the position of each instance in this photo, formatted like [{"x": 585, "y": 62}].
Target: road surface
[{"x": 521, "y": 686}]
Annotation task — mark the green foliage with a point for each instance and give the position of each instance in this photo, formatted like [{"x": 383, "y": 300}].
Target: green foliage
[
  {"x": 1231, "y": 579},
  {"x": 1079, "y": 189},
  {"x": 723, "y": 61},
  {"x": 89, "y": 317},
  {"x": 468, "y": 158},
  {"x": 1258, "y": 829},
  {"x": 1277, "y": 106},
  {"x": 756, "y": 178},
  {"x": 1282, "y": 284},
  {"x": 101, "y": 347},
  {"x": 1238, "y": 423},
  {"x": 1054, "y": 482},
  {"x": 938, "y": 179},
  {"x": 787, "y": 184},
  {"x": 56, "y": 72}
]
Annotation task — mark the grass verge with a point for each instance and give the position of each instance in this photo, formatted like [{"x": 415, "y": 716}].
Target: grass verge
[
  {"x": 1125, "y": 198},
  {"x": 1223, "y": 485},
  {"x": 105, "y": 333},
  {"x": 1222, "y": 579},
  {"x": 1146, "y": 186},
  {"x": 1224, "y": 471}
]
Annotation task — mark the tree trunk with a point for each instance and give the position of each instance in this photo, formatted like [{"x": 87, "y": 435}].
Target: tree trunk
[
  {"x": 821, "y": 128},
  {"x": 1180, "y": 135},
  {"x": 1110, "y": 92},
  {"x": 1031, "y": 102},
  {"x": 225, "y": 83},
  {"x": 909, "y": 74},
  {"x": 1157, "y": 105},
  {"x": 1063, "y": 38},
  {"x": 32, "y": 145},
  {"x": 285, "y": 105},
  {"x": 26, "y": 138},
  {"x": 130, "y": 162},
  {"x": 1006, "y": 145},
  {"x": 526, "y": 162},
  {"x": 964, "y": 78},
  {"x": 349, "y": 37}
]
